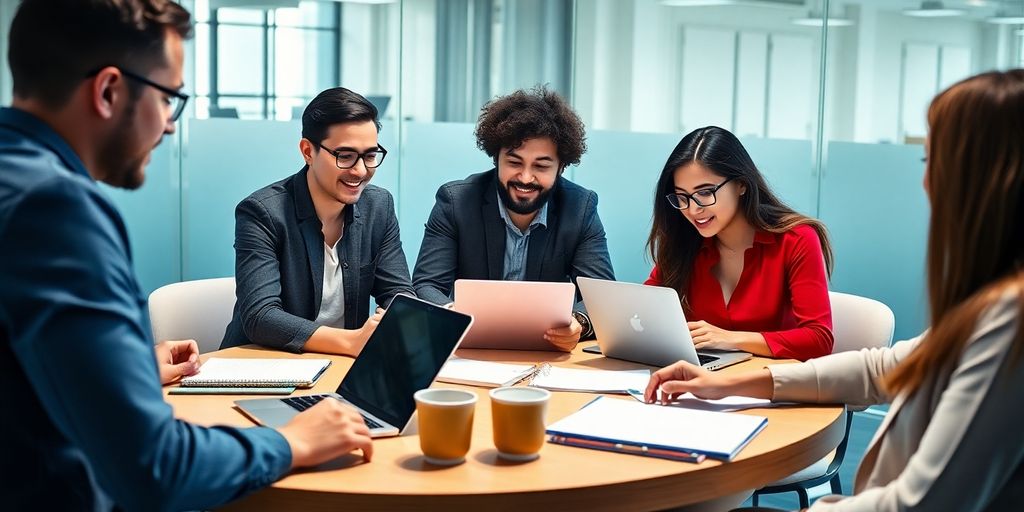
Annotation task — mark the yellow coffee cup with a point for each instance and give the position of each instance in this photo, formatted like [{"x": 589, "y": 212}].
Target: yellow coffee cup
[
  {"x": 517, "y": 414},
  {"x": 445, "y": 424}
]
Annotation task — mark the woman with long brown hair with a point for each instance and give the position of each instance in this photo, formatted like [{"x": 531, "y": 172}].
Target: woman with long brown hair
[
  {"x": 952, "y": 439},
  {"x": 751, "y": 272}
]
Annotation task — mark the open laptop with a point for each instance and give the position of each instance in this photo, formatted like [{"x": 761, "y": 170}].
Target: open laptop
[
  {"x": 645, "y": 324},
  {"x": 403, "y": 355},
  {"x": 513, "y": 314}
]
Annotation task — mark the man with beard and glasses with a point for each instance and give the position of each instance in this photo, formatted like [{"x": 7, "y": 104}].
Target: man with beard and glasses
[
  {"x": 97, "y": 85},
  {"x": 522, "y": 220}
]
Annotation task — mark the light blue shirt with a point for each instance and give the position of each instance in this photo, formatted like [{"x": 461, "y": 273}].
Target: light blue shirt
[
  {"x": 517, "y": 242},
  {"x": 85, "y": 423}
]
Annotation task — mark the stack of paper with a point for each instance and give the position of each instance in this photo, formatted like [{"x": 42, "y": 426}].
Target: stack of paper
[
  {"x": 483, "y": 373},
  {"x": 627, "y": 425},
  {"x": 593, "y": 381},
  {"x": 224, "y": 372}
]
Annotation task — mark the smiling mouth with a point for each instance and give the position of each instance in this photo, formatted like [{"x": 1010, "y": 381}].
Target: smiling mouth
[
  {"x": 353, "y": 184},
  {"x": 703, "y": 222},
  {"x": 524, "y": 189}
]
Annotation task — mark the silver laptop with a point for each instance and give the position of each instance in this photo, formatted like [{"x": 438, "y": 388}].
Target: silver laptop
[
  {"x": 403, "y": 355},
  {"x": 645, "y": 324},
  {"x": 513, "y": 314}
]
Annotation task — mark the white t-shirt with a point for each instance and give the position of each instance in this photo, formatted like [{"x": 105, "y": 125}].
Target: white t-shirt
[{"x": 332, "y": 302}]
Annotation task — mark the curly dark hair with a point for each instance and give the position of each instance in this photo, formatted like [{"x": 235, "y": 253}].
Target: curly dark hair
[{"x": 507, "y": 121}]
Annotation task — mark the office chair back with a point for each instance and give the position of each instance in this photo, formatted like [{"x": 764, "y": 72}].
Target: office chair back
[{"x": 199, "y": 310}]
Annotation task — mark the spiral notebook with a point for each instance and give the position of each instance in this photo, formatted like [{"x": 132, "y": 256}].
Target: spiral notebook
[
  {"x": 258, "y": 373},
  {"x": 486, "y": 373}
]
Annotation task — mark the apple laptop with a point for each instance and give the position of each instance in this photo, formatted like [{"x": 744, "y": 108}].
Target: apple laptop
[
  {"x": 403, "y": 355},
  {"x": 645, "y": 324},
  {"x": 513, "y": 314}
]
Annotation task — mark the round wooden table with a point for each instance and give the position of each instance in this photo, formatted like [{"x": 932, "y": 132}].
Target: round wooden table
[{"x": 563, "y": 477}]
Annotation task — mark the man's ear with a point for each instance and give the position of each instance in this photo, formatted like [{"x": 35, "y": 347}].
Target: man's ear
[
  {"x": 106, "y": 89},
  {"x": 308, "y": 150}
]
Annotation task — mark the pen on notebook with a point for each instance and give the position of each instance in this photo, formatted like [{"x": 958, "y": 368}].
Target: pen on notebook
[{"x": 696, "y": 458}]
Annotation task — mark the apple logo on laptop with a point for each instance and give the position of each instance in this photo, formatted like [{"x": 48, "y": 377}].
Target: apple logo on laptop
[{"x": 636, "y": 324}]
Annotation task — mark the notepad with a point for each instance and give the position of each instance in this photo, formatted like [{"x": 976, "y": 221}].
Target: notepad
[
  {"x": 635, "y": 425},
  {"x": 270, "y": 373},
  {"x": 591, "y": 381},
  {"x": 484, "y": 373}
]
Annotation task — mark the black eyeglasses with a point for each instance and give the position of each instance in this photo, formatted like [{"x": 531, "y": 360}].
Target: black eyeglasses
[
  {"x": 346, "y": 158},
  {"x": 175, "y": 99},
  {"x": 704, "y": 197}
]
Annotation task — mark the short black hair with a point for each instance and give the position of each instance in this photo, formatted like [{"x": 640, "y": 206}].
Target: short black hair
[
  {"x": 54, "y": 44},
  {"x": 507, "y": 121},
  {"x": 335, "y": 106}
]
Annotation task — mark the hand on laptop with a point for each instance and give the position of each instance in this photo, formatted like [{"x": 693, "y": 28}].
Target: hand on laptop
[
  {"x": 176, "y": 359},
  {"x": 325, "y": 432},
  {"x": 668, "y": 383},
  {"x": 565, "y": 338}
]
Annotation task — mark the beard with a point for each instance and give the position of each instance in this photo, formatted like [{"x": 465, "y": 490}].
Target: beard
[
  {"x": 123, "y": 167},
  {"x": 523, "y": 207}
]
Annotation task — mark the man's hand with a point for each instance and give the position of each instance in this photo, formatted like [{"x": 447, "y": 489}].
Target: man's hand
[
  {"x": 565, "y": 338},
  {"x": 177, "y": 359},
  {"x": 325, "y": 432}
]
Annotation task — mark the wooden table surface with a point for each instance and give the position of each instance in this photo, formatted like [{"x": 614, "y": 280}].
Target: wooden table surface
[{"x": 565, "y": 477}]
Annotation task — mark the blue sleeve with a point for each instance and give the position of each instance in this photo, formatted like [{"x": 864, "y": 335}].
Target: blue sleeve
[
  {"x": 591, "y": 258},
  {"x": 79, "y": 332}
]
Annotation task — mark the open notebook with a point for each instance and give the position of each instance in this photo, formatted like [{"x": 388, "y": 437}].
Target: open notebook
[
  {"x": 631, "y": 427},
  {"x": 485, "y": 373},
  {"x": 258, "y": 373}
]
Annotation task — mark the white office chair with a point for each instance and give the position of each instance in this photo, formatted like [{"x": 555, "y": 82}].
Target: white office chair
[
  {"x": 198, "y": 310},
  {"x": 857, "y": 322}
]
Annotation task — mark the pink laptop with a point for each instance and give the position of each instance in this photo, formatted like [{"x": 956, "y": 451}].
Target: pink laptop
[{"x": 513, "y": 315}]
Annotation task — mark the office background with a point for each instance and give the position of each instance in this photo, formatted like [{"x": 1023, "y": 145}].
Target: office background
[{"x": 828, "y": 96}]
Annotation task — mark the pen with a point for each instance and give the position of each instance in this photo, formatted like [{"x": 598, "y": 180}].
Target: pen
[{"x": 682, "y": 456}]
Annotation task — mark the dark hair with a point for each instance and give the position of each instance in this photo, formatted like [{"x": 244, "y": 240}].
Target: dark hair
[
  {"x": 507, "y": 121},
  {"x": 54, "y": 44},
  {"x": 335, "y": 106},
  {"x": 976, "y": 165},
  {"x": 674, "y": 242}
]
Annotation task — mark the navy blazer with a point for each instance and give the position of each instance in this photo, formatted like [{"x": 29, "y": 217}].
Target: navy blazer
[
  {"x": 279, "y": 263},
  {"x": 465, "y": 238}
]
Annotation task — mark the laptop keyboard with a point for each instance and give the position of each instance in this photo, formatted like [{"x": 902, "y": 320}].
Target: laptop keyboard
[
  {"x": 705, "y": 359},
  {"x": 301, "y": 403}
]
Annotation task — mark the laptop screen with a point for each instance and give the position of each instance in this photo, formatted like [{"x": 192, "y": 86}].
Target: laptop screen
[{"x": 403, "y": 355}]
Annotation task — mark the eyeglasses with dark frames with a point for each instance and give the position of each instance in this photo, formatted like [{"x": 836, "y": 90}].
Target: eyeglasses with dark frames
[
  {"x": 347, "y": 158},
  {"x": 703, "y": 198},
  {"x": 175, "y": 99}
]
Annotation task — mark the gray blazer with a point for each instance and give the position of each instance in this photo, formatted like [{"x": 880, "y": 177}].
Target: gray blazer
[
  {"x": 279, "y": 263},
  {"x": 465, "y": 238},
  {"x": 955, "y": 444}
]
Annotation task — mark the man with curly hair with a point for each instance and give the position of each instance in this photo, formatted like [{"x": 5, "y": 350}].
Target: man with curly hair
[{"x": 521, "y": 220}]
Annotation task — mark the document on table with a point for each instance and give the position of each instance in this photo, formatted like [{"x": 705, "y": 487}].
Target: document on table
[
  {"x": 727, "y": 404},
  {"x": 593, "y": 381}
]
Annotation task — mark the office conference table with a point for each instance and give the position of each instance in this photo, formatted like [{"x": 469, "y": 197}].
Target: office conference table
[{"x": 563, "y": 477}]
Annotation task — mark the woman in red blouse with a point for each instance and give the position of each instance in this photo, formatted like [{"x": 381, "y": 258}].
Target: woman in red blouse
[{"x": 750, "y": 271}]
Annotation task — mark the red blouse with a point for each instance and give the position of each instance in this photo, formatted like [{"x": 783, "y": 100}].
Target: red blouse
[{"x": 782, "y": 293}]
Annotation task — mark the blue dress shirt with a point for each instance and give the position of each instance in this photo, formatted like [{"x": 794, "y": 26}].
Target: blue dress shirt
[
  {"x": 517, "y": 242},
  {"x": 85, "y": 425}
]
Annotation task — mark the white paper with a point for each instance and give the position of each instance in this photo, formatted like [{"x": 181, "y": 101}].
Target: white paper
[
  {"x": 727, "y": 404},
  {"x": 597, "y": 381},
  {"x": 482, "y": 373},
  {"x": 226, "y": 371},
  {"x": 715, "y": 434}
]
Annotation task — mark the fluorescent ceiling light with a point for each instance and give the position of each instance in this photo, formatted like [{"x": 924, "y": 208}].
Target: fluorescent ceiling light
[
  {"x": 933, "y": 9},
  {"x": 1003, "y": 19},
  {"x": 786, "y": 4},
  {"x": 814, "y": 20}
]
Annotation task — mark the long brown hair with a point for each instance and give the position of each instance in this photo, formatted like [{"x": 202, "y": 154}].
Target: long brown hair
[
  {"x": 975, "y": 181},
  {"x": 674, "y": 242}
]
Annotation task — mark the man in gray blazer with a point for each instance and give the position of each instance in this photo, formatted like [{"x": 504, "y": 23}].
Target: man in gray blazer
[
  {"x": 312, "y": 248},
  {"x": 522, "y": 220}
]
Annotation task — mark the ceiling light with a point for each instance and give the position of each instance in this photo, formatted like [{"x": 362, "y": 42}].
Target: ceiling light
[
  {"x": 1005, "y": 19},
  {"x": 813, "y": 19},
  {"x": 933, "y": 9}
]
